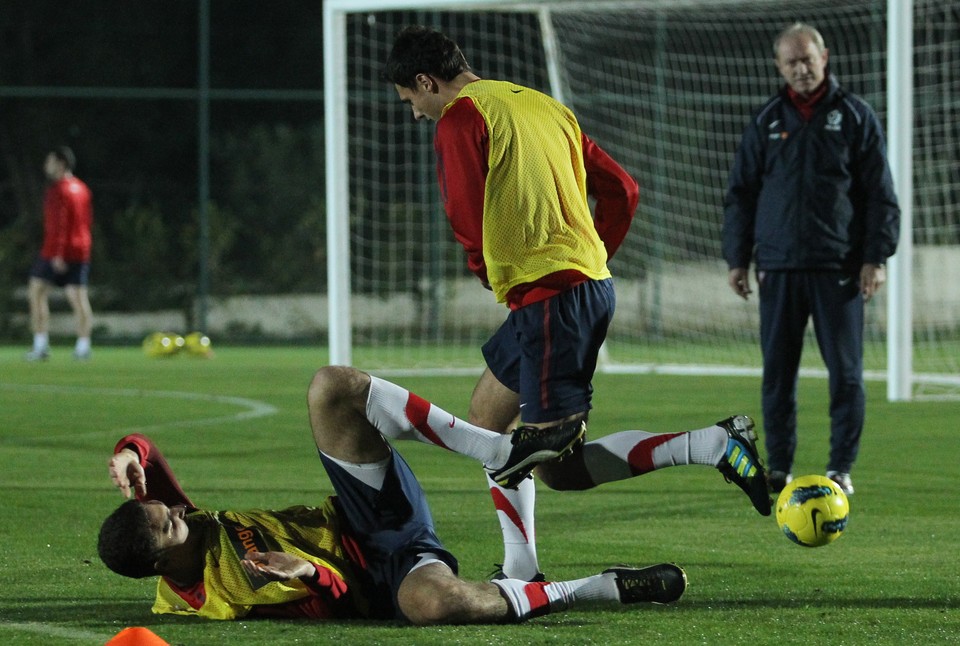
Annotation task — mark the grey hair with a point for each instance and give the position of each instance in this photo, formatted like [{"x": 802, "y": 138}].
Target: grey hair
[{"x": 796, "y": 29}]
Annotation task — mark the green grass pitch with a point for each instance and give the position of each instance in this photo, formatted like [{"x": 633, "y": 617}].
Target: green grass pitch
[{"x": 235, "y": 430}]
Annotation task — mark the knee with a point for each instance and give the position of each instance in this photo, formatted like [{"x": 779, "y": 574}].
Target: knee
[{"x": 334, "y": 386}]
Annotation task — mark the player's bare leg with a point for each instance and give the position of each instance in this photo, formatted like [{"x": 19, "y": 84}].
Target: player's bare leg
[
  {"x": 432, "y": 594},
  {"x": 38, "y": 300},
  {"x": 336, "y": 403},
  {"x": 78, "y": 297},
  {"x": 347, "y": 407}
]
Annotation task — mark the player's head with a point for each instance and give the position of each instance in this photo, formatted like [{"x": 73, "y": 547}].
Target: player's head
[
  {"x": 126, "y": 544},
  {"x": 59, "y": 161},
  {"x": 801, "y": 57},
  {"x": 421, "y": 50},
  {"x": 136, "y": 537}
]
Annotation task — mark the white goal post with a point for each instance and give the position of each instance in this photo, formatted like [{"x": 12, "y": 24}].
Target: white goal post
[{"x": 666, "y": 87}]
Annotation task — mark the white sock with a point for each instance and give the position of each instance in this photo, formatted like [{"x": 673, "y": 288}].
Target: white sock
[
  {"x": 528, "y": 600},
  {"x": 83, "y": 345},
  {"x": 632, "y": 453},
  {"x": 41, "y": 341},
  {"x": 515, "y": 511},
  {"x": 371, "y": 474},
  {"x": 400, "y": 414}
]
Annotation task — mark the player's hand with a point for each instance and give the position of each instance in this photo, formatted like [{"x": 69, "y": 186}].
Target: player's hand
[
  {"x": 127, "y": 474},
  {"x": 739, "y": 280},
  {"x": 59, "y": 265},
  {"x": 277, "y": 566},
  {"x": 872, "y": 278}
]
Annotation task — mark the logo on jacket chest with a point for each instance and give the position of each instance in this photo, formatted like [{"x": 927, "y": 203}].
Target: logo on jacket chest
[
  {"x": 834, "y": 121},
  {"x": 775, "y": 132}
]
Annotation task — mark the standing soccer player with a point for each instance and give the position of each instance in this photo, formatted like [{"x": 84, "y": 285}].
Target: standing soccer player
[
  {"x": 515, "y": 172},
  {"x": 64, "y": 258}
]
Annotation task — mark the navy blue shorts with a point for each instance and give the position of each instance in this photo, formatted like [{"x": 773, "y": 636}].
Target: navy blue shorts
[
  {"x": 547, "y": 351},
  {"x": 78, "y": 273},
  {"x": 392, "y": 527}
]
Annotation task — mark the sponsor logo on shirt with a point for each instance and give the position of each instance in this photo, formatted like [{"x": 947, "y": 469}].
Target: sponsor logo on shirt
[{"x": 244, "y": 541}]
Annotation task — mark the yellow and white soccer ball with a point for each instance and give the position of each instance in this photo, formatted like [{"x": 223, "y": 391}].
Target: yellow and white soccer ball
[
  {"x": 197, "y": 344},
  {"x": 812, "y": 511},
  {"x": 162, "y": 344}
]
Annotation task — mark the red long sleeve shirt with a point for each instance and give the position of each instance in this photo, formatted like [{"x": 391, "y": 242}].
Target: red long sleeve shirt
[{"x": 67, "y": 219}]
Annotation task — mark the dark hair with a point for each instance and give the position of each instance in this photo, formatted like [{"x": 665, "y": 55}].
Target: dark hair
[
  {"x": 65, "y": 154},
  {"x": 421, "y": 50},
  {"x": 126, "y": 544}
]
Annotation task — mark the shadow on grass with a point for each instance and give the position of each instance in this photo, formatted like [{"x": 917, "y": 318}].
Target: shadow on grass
[{"x": 51, "y": 610}]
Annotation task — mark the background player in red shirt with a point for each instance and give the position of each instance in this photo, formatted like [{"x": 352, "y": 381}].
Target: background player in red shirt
[
  {"x": 515, "y": 173},
  {"x": 64, "y": 258}
]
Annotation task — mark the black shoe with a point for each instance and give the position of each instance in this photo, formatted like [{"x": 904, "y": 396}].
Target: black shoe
[
  {"x": 777, "y": 480},
  {"x": 741, "y": 461},
  {"x": 662, "y": 583},
  {"x": 498, "y": 575},
  {"x": 533, "y": 445}
]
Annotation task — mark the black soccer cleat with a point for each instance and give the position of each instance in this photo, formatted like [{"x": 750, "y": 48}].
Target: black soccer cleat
[
  {"x": 663, "y": 583},
  {"x": 533, "y": 445},
  {"x": 498, "y": 575},
  {"x": 741, "y": 462}
]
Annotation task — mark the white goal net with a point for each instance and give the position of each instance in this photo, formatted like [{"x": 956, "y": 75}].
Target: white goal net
[{"x": 666, "y": 88}]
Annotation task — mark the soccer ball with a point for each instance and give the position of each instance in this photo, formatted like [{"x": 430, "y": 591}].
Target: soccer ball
[
  {"x": 812, "y": 511},
  {"x": 162, "y": 344},
  {"x": 197, "y": 344}
]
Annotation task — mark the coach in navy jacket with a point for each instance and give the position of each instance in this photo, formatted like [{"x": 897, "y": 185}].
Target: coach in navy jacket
[{"x": 810, "y": 199}]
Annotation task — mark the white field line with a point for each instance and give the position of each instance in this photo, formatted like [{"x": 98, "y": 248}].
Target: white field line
[
  {"x": 251, "y": 408},
  {"x": 49, "y": 630}
]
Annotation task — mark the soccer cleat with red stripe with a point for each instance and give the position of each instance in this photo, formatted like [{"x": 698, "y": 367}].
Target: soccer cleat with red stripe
[{"x": 740, "y": 463}]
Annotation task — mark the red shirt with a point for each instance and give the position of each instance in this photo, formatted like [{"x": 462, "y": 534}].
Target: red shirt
[
  {"x": 67, "y": 217},
  {"x": 806, "y": 105}
]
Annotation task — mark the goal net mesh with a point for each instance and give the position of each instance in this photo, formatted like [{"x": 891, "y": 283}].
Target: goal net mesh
[{"x": 666, "y": 89}]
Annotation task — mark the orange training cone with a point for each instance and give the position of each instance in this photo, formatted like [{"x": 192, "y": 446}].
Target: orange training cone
[{"x": 136, "y": 636}]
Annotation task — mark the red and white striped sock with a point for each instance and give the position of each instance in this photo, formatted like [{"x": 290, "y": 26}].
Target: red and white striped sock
[
  {"x": 515, "y": 512},
  {"x": 399, "y": 414},
  {"x": 528, "y": 600},
  {"x": 631, "y": 453}
]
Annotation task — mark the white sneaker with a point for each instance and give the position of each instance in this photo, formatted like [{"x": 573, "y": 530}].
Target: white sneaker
[
  {"x": 37, "y": 355},
  {"x": 843, "y": 481}
]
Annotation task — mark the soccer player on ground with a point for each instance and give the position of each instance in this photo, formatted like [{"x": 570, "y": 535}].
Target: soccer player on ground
[
  {"x": 369, "y": 552},
  {"x": 515, "y": 172}
]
